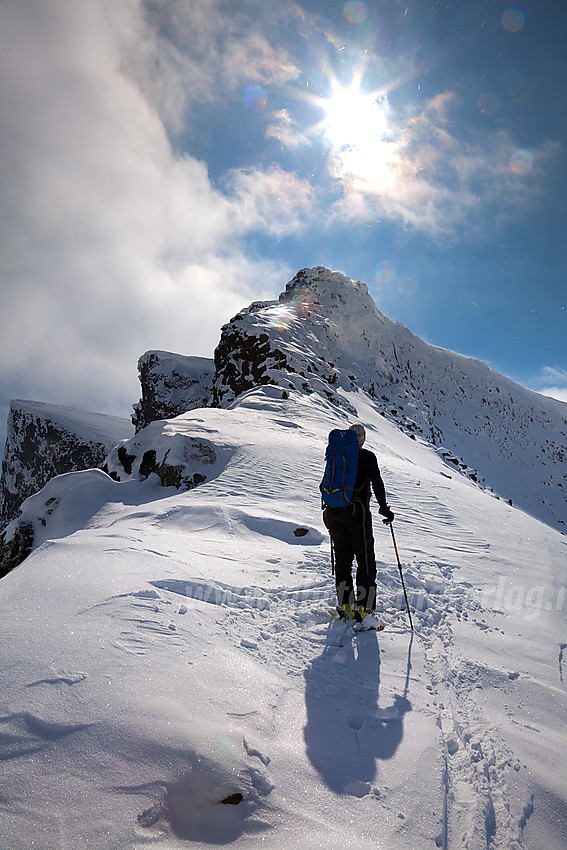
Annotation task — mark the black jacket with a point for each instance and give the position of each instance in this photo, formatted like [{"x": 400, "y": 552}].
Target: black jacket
[{"x": 369, "y": 474}]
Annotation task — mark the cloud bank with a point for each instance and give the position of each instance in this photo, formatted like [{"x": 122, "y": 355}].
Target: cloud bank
[{"x": 113, "y": 242}]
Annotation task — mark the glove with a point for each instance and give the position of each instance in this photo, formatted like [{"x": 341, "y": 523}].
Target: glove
[{"x": 387, "y": 514}]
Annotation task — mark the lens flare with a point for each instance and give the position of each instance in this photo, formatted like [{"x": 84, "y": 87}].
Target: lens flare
[
  {"x": 387, "y": 278},
  {"x": 355, "y": 12},
  {"x": 385, "y": 274},
  {"x": 522, "y": 162},
  {"x": 255, "y": 96},
  {"x": 407, "y": 284},
  {"x": 280, "y": 317},
  {"x": 489, "y": 103},
  {"x": 513, "y": 20}
]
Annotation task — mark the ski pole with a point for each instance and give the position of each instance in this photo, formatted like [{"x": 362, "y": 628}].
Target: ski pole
[{"x": 401, "y": 574}]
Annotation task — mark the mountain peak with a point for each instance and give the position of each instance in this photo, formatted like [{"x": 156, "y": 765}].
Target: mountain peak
[
  {"x": 325, "y": 286},
  {"x": 325, "y": 336}
]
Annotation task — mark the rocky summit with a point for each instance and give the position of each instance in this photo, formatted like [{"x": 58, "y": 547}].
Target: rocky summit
[{"x": 325, "y": 335}]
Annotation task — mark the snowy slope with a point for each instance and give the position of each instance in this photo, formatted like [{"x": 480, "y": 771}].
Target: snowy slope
[
  {"x": 325, "y": 336},
  {"x": 166, "y": 650}
]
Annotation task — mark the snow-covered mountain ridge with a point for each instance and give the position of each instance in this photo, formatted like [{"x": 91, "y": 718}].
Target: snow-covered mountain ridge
[
  {"x": 171, "y": 676},
  {"x": 167, "y": 650},
  {"x": 325, "y": 335}
]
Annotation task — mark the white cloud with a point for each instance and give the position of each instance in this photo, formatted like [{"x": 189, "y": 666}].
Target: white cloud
[
  {"x": 552, "y": 381},
  {"x": 426, "y": 172},
  {"x": 285, "y": 130},
  {"x": 184, "y": 52},
  {"x": 112, "y": 244},
  {"x": 275, "y": 201}
]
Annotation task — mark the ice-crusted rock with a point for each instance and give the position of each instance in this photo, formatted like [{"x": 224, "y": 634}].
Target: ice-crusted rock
[
  {"x": 179, "y": 458},
  {"x": 45, "y": 440},
  {"x": 325, "y": 335},
  {"x": 172, "y": 384},
  {"x": 299, "y": 342}
]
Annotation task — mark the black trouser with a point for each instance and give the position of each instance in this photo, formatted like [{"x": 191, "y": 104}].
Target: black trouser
[{"x": 351, "y": 536}]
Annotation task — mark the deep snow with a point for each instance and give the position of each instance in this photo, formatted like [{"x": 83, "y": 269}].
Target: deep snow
[{"x": 165, "y": 650}]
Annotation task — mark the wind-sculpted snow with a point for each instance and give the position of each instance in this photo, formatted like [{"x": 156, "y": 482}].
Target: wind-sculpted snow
[
  {"x": 171, "y": 456},
  {"x": 171, "y": 675},
  {"x": 178, "y": 457}
]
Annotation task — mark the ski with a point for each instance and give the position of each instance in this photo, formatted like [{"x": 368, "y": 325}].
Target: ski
[
  {"x": 360, "y": 623},
  {"x": 363, "y": 628}
]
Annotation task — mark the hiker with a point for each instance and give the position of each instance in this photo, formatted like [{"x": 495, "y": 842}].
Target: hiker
[{"x": 350, "y": 528}]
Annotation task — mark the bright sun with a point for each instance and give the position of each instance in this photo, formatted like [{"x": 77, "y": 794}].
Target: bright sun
[
  {"x": 356, "y": 125},
  {"x": 352, "y": 117}
]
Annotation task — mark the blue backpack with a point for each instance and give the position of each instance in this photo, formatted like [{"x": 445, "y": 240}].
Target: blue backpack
[{"x": 341, "y": 466}]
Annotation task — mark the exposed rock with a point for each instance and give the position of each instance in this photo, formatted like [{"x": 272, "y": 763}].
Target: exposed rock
[
  {"x": 15, "y": 549},
  {"x": 172, "y": 384},
  {"x": 45, "y": 440},
  {"x": 178, "y": 460}
]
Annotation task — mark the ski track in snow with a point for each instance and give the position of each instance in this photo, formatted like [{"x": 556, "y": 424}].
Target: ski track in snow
[
  {"x": 287, "y": 627},
  {"x": 393, "y": 724}
]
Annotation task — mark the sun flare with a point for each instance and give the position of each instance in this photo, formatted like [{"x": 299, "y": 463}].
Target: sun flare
[
  {"x": 357, "y": 128},
  {"x": 353, "y": 117}
]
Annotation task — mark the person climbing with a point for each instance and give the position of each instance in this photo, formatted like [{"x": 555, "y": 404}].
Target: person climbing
[{"x": 348, "y": 518}]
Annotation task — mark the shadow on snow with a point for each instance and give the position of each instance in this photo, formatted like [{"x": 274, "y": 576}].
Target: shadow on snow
[{"x": 347, "y": 731}]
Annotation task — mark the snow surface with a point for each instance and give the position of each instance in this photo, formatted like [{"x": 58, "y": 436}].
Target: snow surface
[{"x": 165, "y": 650}]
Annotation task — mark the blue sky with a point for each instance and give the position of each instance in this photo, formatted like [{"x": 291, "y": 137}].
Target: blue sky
[{"x": 165, "y": 163}]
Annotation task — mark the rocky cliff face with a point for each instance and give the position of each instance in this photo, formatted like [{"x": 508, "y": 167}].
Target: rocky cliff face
[
  {"x": 171, "y": 384},
  {"x": 45, "y": 440}
]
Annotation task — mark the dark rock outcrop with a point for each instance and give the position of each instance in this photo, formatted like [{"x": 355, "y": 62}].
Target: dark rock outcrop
[
  {"x": 177, "y": 459},
  {"x": 45, "y": 440},
  {"x": 171, "y": 384},
  {"x": 15, "y": 549}
]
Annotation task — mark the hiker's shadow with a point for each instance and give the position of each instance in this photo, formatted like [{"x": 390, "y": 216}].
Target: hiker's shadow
[{"x": 347, "y": 731}]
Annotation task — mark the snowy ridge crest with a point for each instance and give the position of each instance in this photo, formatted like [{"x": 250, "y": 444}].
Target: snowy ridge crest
[
  {"x": 171, "y": 649},
  {"x": 324, "y": 339},
  {"x": 325, "y": 336},
  {"x": 182, "y": 640}
]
